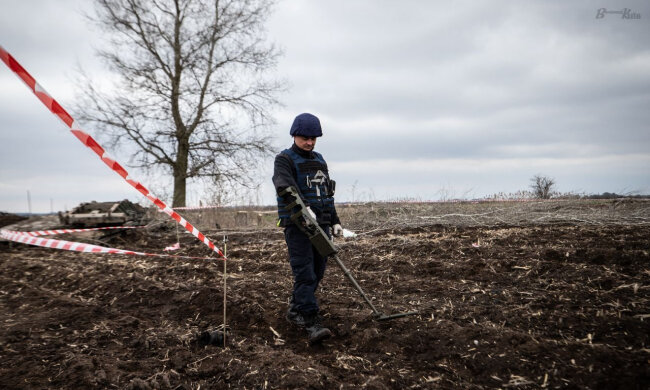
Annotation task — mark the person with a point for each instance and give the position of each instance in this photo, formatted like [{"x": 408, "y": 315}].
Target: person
[{"x": 306, "y": 171}]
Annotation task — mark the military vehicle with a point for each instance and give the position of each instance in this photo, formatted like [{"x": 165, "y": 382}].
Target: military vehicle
[{"x": 95, "y": 214}]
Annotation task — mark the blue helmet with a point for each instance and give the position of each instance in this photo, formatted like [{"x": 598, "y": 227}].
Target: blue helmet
[{"x": 306, "y": 125}]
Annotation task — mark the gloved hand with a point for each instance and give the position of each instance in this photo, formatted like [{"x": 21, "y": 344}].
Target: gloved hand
[{"x": 337, "y": 230}]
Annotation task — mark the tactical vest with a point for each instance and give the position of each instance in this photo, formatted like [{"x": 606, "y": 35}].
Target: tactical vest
[{"x": 314, "y": 184}]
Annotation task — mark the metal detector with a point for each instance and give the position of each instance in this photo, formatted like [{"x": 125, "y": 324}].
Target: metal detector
[{"x": 325, "y": 246}]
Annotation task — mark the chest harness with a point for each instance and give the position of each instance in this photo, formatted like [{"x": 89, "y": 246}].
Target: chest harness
[{"x": 314, "y": 184}]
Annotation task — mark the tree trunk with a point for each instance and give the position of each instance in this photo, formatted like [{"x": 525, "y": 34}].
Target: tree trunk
[
  {"x": 179, "y": 190},
  {"x": 180, "y": 175}
]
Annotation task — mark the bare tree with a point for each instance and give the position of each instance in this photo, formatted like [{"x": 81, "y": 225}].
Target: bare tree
[
  {"x": 191, "y": 92},
  {"x": 542, "y": 186}
]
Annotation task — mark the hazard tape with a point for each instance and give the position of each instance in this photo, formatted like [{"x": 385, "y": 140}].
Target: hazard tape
[
  {"x": 80, "y": 246},
  {"x": 61, "y": 231},
  {"x": 197, "y": 207},
  {"x": 90, "y": 142}
]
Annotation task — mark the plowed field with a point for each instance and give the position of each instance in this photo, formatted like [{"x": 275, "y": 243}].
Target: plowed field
[{"x": 525, "y": 303}]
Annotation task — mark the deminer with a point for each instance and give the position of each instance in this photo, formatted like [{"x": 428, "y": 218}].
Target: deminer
[{"x": 306, "y": 171}]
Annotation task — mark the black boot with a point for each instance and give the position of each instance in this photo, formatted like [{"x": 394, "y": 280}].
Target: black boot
[
  {"x": 296, "y": 318},
  {"x": 315, "y": 330}
]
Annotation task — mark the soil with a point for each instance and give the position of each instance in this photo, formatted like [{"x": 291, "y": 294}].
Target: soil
[
  {"x": 8, "y": 218},
  {"x": 527, "y": 306}
]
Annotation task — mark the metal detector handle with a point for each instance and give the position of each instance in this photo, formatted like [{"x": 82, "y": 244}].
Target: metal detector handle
[{"x": 305, "y": 222}]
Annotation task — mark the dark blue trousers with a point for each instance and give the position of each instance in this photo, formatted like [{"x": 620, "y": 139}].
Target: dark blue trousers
[{"x": 308, "y": 268}]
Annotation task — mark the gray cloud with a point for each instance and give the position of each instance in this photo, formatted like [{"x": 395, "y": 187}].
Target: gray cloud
[
  {"x": 518, "y": 81},
  {"x": 416, "y": 98}
]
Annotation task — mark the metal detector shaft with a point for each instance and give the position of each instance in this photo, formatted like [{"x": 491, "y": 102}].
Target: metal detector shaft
[
  {"x": 347, "y": 273},
  {"x": 378, "y": 315}
]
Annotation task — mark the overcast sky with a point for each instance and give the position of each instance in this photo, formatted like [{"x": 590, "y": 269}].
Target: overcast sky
[{"x": 418, "y": 99}]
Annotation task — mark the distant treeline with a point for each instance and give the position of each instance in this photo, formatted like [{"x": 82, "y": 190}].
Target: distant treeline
[{"x": 613, "y": 195}]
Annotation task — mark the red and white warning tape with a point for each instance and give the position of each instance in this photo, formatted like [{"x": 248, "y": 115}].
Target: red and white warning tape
[
  {"x": 79, "y": 246},
  {"x": 87, "y": 140},
  {"x": 61, "y": 231},
  {"x": 197, "y": 207}
]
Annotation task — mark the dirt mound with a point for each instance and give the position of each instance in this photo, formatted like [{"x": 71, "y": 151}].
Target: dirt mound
[
  {"x": 8, "y": 218},
  {"x": 526, "y": 306}
]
